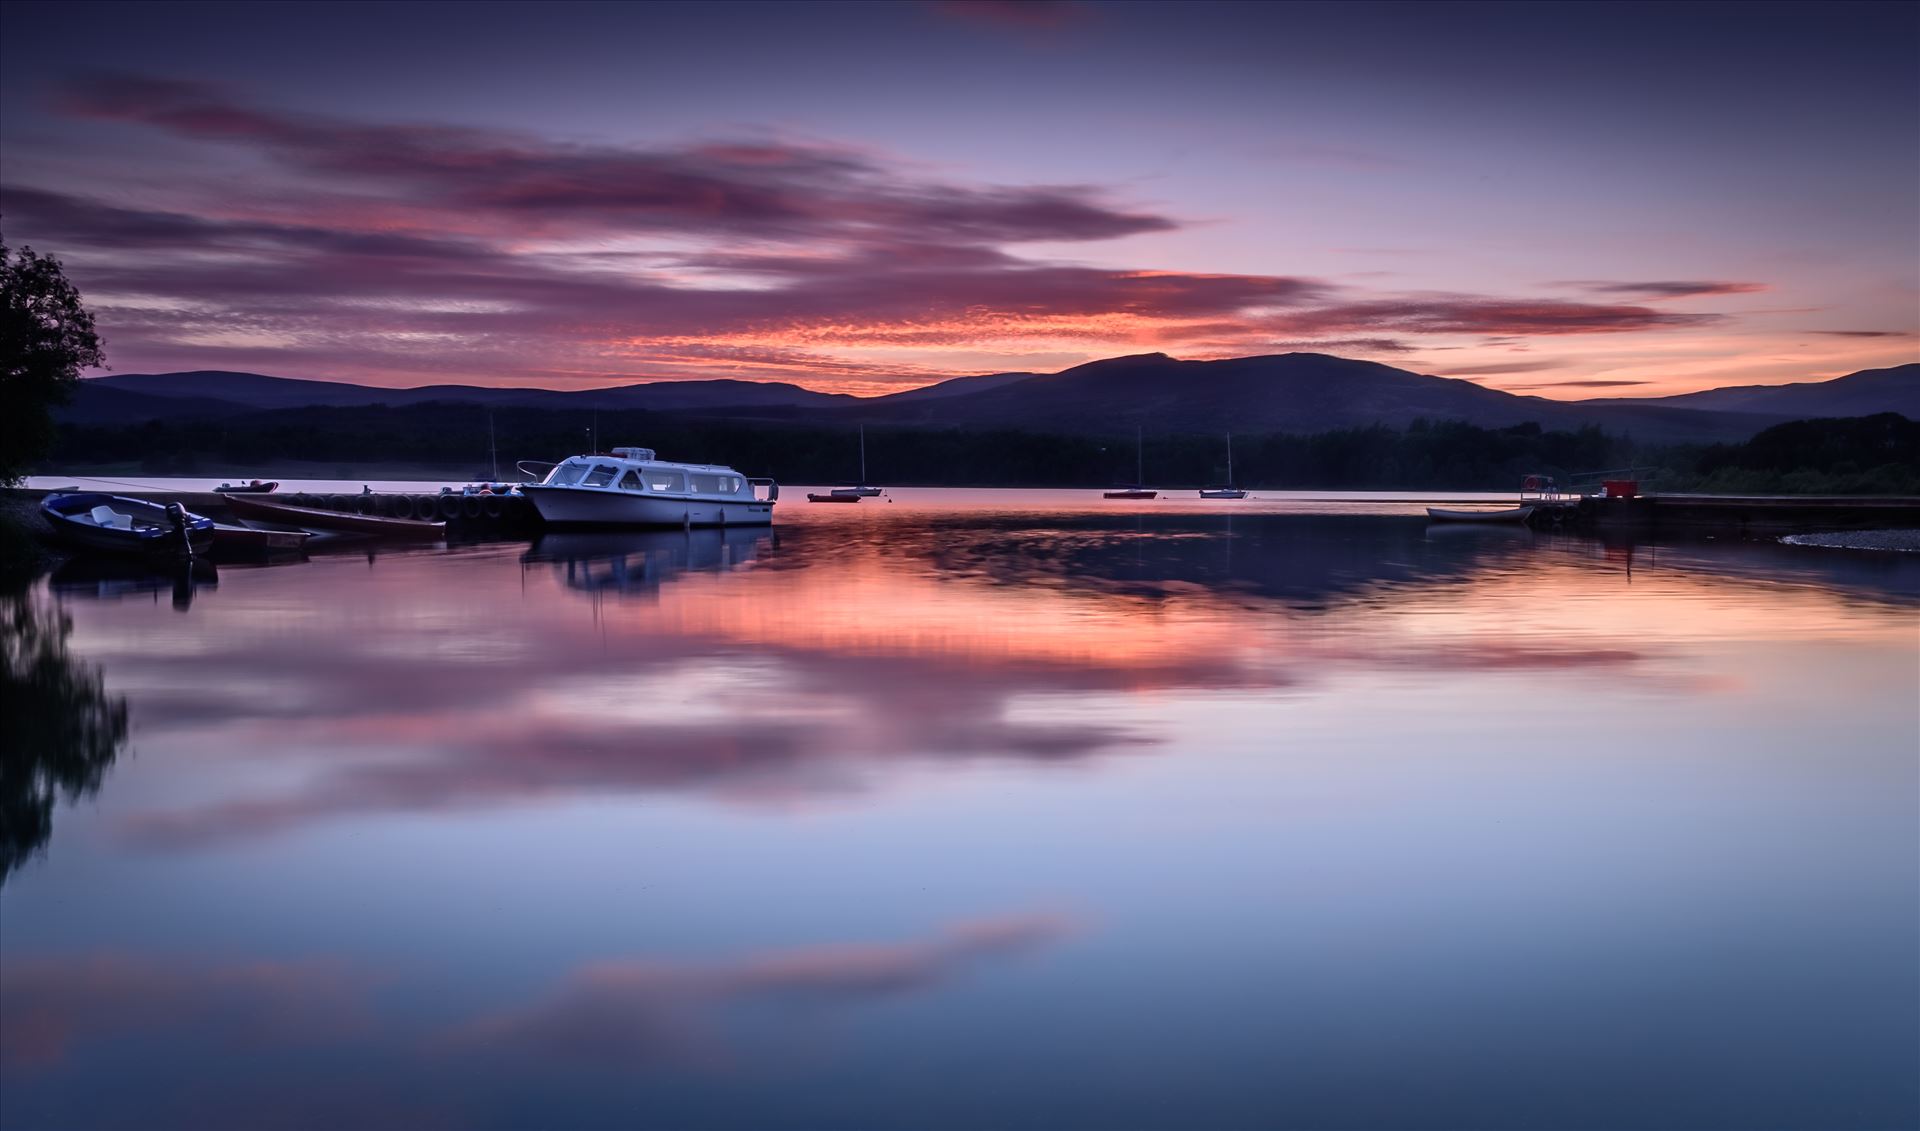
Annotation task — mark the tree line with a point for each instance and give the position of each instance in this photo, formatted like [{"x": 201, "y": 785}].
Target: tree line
[{"x": 1865, "y": 454}]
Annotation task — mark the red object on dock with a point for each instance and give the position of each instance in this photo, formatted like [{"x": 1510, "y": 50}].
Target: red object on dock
[{"x": 1621, "y": 488}]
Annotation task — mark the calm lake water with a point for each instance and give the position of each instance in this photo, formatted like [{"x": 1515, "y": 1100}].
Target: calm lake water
[{"x": 978, "y": 809}]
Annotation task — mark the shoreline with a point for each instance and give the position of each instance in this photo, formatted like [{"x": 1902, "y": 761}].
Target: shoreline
[{"x": 1899, "y": 541}]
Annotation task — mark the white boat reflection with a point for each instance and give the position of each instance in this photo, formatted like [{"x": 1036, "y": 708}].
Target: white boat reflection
[{"x": 640, "y": 562}]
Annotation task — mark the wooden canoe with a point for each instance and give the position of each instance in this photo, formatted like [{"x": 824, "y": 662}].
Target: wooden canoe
[
  {"x": 313, "y": 518},
  {"x": 247, "y": 540},
  {"x": 1516, "y": 514}
]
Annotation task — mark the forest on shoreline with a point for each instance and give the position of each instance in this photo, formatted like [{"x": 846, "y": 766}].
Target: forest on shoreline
[{"x": 1857, "y": 455}]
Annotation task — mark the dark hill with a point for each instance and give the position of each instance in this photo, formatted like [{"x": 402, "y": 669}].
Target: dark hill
[
  {"x": 259, "y": 391},
  {"x": 1864, "y": 393},
  {"x": 1295, "y": 392}
]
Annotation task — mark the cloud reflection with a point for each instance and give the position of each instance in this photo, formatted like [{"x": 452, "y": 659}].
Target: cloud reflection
[
  {"x": 627, "y": 1011},
  {"x": 50, "y": 1005},
  {"x": 621, "y": 1011},
  {"x": 763, "y": 676}
]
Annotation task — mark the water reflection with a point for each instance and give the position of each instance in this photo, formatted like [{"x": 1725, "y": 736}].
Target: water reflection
[
  {"x": 721, "y": 829},
  {"x": 111, "y": 579},
  {"x": 59, "y": 729},
  {"x": 809, "y": 667},
  {"x": 636, "y": 563}
]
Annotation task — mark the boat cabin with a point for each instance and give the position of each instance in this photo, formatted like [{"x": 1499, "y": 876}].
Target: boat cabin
[{"x": 637, "y": 471}]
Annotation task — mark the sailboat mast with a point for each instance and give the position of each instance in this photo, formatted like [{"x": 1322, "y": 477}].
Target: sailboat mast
[
  {"x": 1139, "y": 457},
  {"x": 493, "y": 449},
  {"x": 1229, "y": 459},
  {"x": 863, "y": 455}
]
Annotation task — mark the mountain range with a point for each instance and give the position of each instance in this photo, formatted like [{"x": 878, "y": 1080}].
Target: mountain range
[{"x": 1296, "y": 392}]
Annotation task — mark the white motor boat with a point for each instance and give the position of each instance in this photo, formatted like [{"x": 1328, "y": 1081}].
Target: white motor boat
[{"x": 630, "y": 487}]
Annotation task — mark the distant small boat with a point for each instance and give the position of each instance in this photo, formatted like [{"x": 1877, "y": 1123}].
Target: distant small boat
[
  {"x": 254, "y": 488},
  {"x": 1516, "y": 514},
  {"x": 1139, "y": 472},
  {"x": 833, "y": 497},
  {"x": 248, "y": 540},
  {"x": 314, "y": 518},
  {"x": 862, "y": 491},
  {"x": 1229, "y": 491},
  {"x": 116, "y": 524}
]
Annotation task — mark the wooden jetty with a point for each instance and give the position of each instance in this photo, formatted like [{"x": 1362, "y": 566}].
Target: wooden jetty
[{"x": 1755, "y": 514}]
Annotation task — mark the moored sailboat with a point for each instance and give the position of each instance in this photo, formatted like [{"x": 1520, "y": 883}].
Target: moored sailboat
[
  {"x": 1136, "y": 491},
  {"x": 1229, "y": 491},
  {"x": 863, "y": 491}
]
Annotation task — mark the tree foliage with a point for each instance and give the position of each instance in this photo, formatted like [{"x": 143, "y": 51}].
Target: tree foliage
[
  {"x": 1443, "y": 454},
  {"x": 46, "y": 338}
]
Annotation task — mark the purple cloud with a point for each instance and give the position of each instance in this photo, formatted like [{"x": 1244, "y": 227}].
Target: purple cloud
[
  {"x": 459, "y": 253},
  {"x": 1464, "y": 314},
  {"x": 1504, "y": 367},
  {"x": 773, "y": 189},
  {"x": 1025, "y": 15},
  {"x": 1670, "y": 289}
]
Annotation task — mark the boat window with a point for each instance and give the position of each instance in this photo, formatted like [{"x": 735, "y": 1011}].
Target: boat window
[
  {"x": 567, "y": 474},
  {"x": 707, "y": 484},
  {"x": 660, "y": 479},
  {"x": 631, "y": 481},
  {"x": 600, "y": 476}
]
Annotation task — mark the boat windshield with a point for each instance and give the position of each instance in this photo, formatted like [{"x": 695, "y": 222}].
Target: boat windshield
[
  {"x": 600, "y": 476},
  {"x": 567, "y": 474}
]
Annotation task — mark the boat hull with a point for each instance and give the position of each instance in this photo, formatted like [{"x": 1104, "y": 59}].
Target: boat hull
[
  {"x": 242, "y": 540},
  {"x": 1133, "y": 494},
  {"x": 833, "y": 498},
  {"x": 1227, "y": 493},
  {"x": 313, "y": 518},
  {"x": 1515, "y": 515},
  {"x": 62, "y": 512},
  {"x": 572, "y": 506}
]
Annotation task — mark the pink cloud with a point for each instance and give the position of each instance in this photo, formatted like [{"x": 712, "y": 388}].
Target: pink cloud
[{"x": 459, "y": 253}]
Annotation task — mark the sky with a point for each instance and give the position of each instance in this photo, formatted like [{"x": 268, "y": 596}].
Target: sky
[{"x": 1564, "y": 200}]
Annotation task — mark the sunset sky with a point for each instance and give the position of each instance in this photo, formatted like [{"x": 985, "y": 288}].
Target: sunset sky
[{"x": 1570, "y": 200}]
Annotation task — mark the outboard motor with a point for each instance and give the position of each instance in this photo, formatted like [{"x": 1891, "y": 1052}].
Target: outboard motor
[{"x": 177, "y": 515}]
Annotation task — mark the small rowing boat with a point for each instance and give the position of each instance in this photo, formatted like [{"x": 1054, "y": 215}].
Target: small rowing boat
[
  {"x": 835, "y": 497},
  {"x": 116, "y": 524},
  {"x": 1516, "y": 514},
  {"x": 245, "y": 540},
  {"x": 313, "y": 518},
  {"x": 1133, "y": 493},
  {"x": 254, "y": 488}
]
